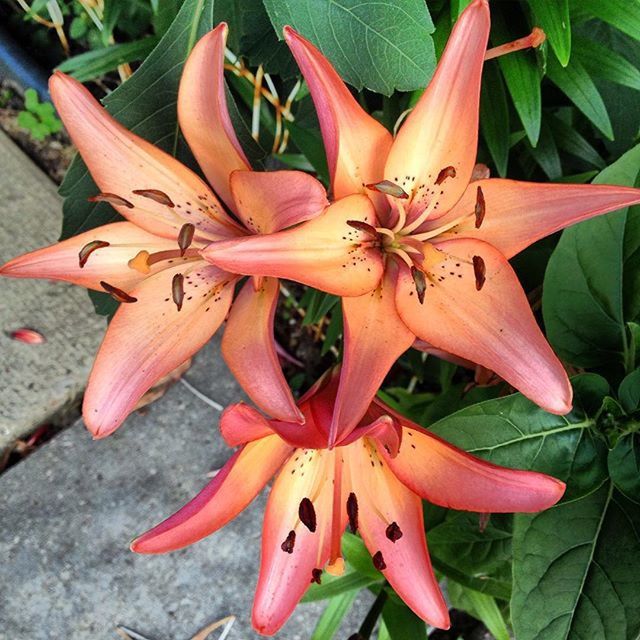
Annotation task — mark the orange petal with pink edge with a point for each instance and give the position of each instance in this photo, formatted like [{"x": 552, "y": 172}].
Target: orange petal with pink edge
[
  {"x": 519, "y": 213},
  {"x": 249, "y": 350},
  {"x": 374, "y": 338},
  {"x": 449, "y": 477},
  {"x": 493, "y": 327},
  {"x": 204, "y": 115},
  {"x": 286, "y": 574},
  {"x": 121, "y": 163},
  {"x": 356, "y": 144},
  {"x": 269, "y": 201},
  {"x": 400, "y": 551},
  {"x": 240, "y": 423},
  {"x": 325, "y": 253},
  {"x": 231, "y": 490},
  {"x": 149, "y": 338},
  {"x": 442, "y": 131},
  {"x": 61, "y": 260}
]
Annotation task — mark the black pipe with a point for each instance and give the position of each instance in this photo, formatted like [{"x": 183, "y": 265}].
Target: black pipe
[{"x": 16, "y": 65}]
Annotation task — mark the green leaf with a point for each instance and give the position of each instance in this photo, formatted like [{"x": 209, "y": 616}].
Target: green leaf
[
  {"x": 358, "y": 556},
  {"x": 402, "y": 623},
  {"x": 494, "y": 117},
  {"x": 546, "y": 154},
  {"x": 569, "y": 140},
  {"x": 622, "y": 14},
  {"x": 145, "y": 104},
  {"x": 92, "y": 64},
  {"x": 624, "y": 465},
  {"x": 514, "y": 432},
  {"x": 577, "y": 85},
  {"x": 575, "y": 569},
  {"x": 629, "y": 392},
  {"x": 30, "y": 99},
  {"x": 332, "y": 586},
  {"x": 332, "y": 616},
  {"x": 480, "y": 606},
  {"x": 553, "y": 17},
  {"x": 585, "y": 308},
  {"x": 602, "y": 62},
  {"x": 382, "y": 45}
]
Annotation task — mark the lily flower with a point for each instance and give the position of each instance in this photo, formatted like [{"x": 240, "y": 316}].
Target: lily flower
[
  {"x": 173, "y": 301},
  {"x": 373, "y": 480},
  {"x": 411, "y": 210}
]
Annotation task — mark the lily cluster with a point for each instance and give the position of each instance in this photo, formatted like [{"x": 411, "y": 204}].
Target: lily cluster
[{"x": 415, "y": 238}]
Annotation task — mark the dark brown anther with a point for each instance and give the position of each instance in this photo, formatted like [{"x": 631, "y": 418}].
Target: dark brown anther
[
  {"x": 352, "y": 512},
  {"x": 185, "y": 237},
  {"x": 420, "y": 281},
  {"x": 117, "y": 294},
  {"x": 316, "y": 576},
  {"x": 111, "y": 198},
  {"x": 157, "y": 196},
  {"x": 177, "y": 290},
  {"x": 393, "y": 532},
  {"x": 378, "y": 561},
  {"x": 480, "y": 207},
  {"x": 364, "y": 227},
  {"x": 480, "y": 272},
  {"x": 389, "y": 188},
  {"x": 447, "y": 172},
  {"x": 307, "y": 514},
  {"x": 88, "y": 249},
  {"x": 288, "y": 544}
]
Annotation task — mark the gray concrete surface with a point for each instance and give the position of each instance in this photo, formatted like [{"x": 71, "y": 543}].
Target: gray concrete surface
[
  {"x": 68, "y": 512},
  {"x": 37, "y": 382}
]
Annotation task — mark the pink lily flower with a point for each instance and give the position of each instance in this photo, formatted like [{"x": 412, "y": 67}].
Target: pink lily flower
[
  {"x": 174, "y": 301},
  {"x": 373, "y": 480},
  {"x": 412, "y": 218}
]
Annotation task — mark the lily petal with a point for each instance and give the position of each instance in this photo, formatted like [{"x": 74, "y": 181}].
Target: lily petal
[
  {"x": 204, "y": 115},
  {"x": 121, "y": 162},
  {"x": 240, "y": 423},
  {"x": 325, "y": 253},
  {"x": 493, "y": 327},
  {"x": 374, "y": 338},
  {"x": 442, "y": 130},
  {"x": 231, "y": 490},
  {"x": 383, "y": 500},
  {"x": 356, "y": 144},
  {"x": 285, "y": 576},
  {"x": 60, "y": 261},
  {"x": 149, "y": 338},
  {"x": 249, "y": 350},
  {"x": 269, "y": 201},
  {"x": 519, "y": 213},
  {"x": 449, "y": 477}
]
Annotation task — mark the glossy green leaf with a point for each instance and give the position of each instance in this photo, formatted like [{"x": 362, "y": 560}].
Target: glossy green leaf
[
  {"x": 332, "y": 586},
  {"x": 402, "y": 623},
  {"x": 629, "y": 391},
  {"x": 358, "y": 556},
  {"x": 575, "y": 569},
  {"x": 382, "y": 45},
  {"x": 546, "y": 153},
  {"x": 331, "y": 618},
  {"x": 585, "y": 308},
  {"x": 480, "y": 606},
  {"x": 624, "y": 465},
  {"x": 577, "y": 85},
  {"x": 602, "y": 62},
  {"x": 622, "y": 14},
  {"x": 553, "y": 18},
  {"x": 568, "y": 139},
  {"x": 494, "y": 117}
]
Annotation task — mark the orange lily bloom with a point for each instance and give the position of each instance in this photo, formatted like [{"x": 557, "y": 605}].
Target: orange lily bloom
[
  {"x": 174, "y": 301},
  {"x": 411, "y": 208},
  {"x": 373, "y": 481}
]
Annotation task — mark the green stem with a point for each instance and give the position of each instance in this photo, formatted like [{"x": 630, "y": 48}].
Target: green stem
[{"x": 369, "y": 623}]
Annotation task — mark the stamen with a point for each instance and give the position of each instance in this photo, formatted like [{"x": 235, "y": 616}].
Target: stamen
[
  {"x": 307, "y": 514},
  {"x": 378, "y": 561},
  {"x": 111, "y": 198},
  {"x": 289, "y": 543},
  {"x": 447, "y": 172},
  {"x": 185, "y": 237},
  {"x": 316, "y": 576},
  {"x": 480, "y": 272},
  {"x": 177, "y": 290},
  {"x": 352, "y": 512},
  {"x": 480, "y": 207},
  {"x": 140, "y": 262},
  {"x": 88, "y": 249},
  {"x": 156, "y": 195},
  {"x": 335, "y": 568},
  {"x": 389, "y": 188},
  {"x": 364, "y": 227},
  {"x": 401, "y": 254},
  {"x": 117, "y": 294},
  {"x": 534, "y": 39},
  {"x": 393, "y": 532},
  {"x": 420, "y": 281}
]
